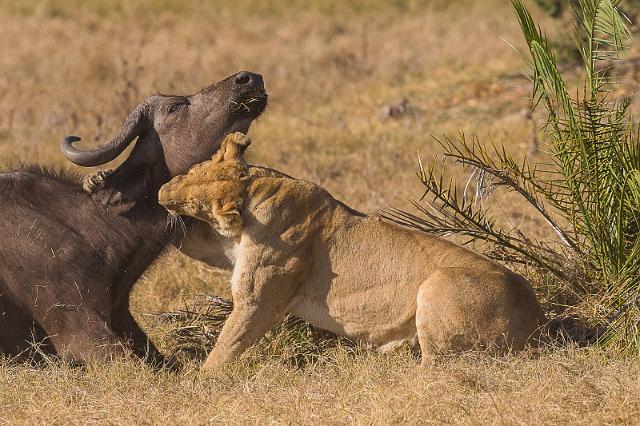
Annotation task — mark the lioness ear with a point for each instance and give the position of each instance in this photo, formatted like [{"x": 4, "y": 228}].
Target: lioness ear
[
  {"x": 219, "y": 155},
  {"x": 242, "y": 140},
  {"x": 232, "y": 147}
]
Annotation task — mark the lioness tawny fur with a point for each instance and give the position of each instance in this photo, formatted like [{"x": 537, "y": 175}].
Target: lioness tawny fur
[{"x": 295, "y": 249}]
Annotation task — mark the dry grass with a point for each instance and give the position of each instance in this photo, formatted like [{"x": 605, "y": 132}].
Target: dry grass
[
  {"x": 78, "y": 67},
  {"x": 561, "y": 388}
]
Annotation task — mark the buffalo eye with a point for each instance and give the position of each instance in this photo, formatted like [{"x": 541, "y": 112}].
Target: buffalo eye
[{"x": 173, "y": 108}]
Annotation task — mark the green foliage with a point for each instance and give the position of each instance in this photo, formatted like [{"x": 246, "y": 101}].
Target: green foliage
[{"x": 588, "y": 192}]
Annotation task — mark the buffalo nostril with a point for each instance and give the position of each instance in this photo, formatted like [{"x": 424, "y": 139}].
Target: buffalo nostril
[{"x": 243, "y": 78}]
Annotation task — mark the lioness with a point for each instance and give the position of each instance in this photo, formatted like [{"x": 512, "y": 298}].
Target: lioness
[{"x": 295, "y": 249}]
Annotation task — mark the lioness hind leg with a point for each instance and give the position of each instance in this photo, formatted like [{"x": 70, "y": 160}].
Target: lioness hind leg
[
  {"x": 461, "y": 309},
  {"x": 428, "y": 348}
]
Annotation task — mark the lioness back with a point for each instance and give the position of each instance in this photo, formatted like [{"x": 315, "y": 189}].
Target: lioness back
[
  {"x": 296, "y": 249},
  {"x": 368, "y": 278}
]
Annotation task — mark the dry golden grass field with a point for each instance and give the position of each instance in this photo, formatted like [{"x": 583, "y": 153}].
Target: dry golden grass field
[{"x": 78, "y": 67}]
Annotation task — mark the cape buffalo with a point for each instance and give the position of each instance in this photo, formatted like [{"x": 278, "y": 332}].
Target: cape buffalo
[{"x": 68, "y": 258}]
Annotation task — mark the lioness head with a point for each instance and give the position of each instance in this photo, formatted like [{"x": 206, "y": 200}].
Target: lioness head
[{"x": 212, "y": 191}]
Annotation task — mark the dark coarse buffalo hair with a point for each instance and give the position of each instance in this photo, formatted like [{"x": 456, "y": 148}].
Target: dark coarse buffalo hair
[{"x": 68, "y": 258}]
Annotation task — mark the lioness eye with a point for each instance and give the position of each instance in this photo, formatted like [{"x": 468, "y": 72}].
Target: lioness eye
[{"x": 173, "y": 108}]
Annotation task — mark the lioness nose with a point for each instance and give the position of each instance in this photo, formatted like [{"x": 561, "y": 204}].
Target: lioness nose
[{"x": 248, "y": 79}]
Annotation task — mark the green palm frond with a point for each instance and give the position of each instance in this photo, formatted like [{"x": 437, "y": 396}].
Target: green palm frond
[
  {"x": 593, "y": 144},
  {"x": 589, "y": 190}
]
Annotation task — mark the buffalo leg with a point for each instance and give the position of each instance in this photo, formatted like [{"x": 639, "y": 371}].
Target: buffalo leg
[
  {"x": 122, "y": 321},
  {"x": 125, "y": 326},
  {"x": 80, "y": 335},
  {"x": 18, "y": 330}
]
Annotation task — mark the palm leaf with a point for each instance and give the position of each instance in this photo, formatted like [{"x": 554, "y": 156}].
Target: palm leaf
[{"x": 588, "y": 192}]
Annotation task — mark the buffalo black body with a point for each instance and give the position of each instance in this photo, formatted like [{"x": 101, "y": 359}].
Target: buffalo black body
[{"x": 69, "y": 259}]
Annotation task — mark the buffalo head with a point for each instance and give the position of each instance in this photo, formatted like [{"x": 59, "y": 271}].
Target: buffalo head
[{"x": 175, "y": 132}]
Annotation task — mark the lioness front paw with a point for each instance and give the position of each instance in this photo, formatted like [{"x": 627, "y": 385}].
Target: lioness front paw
[{"x": 95, "y": 182}]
